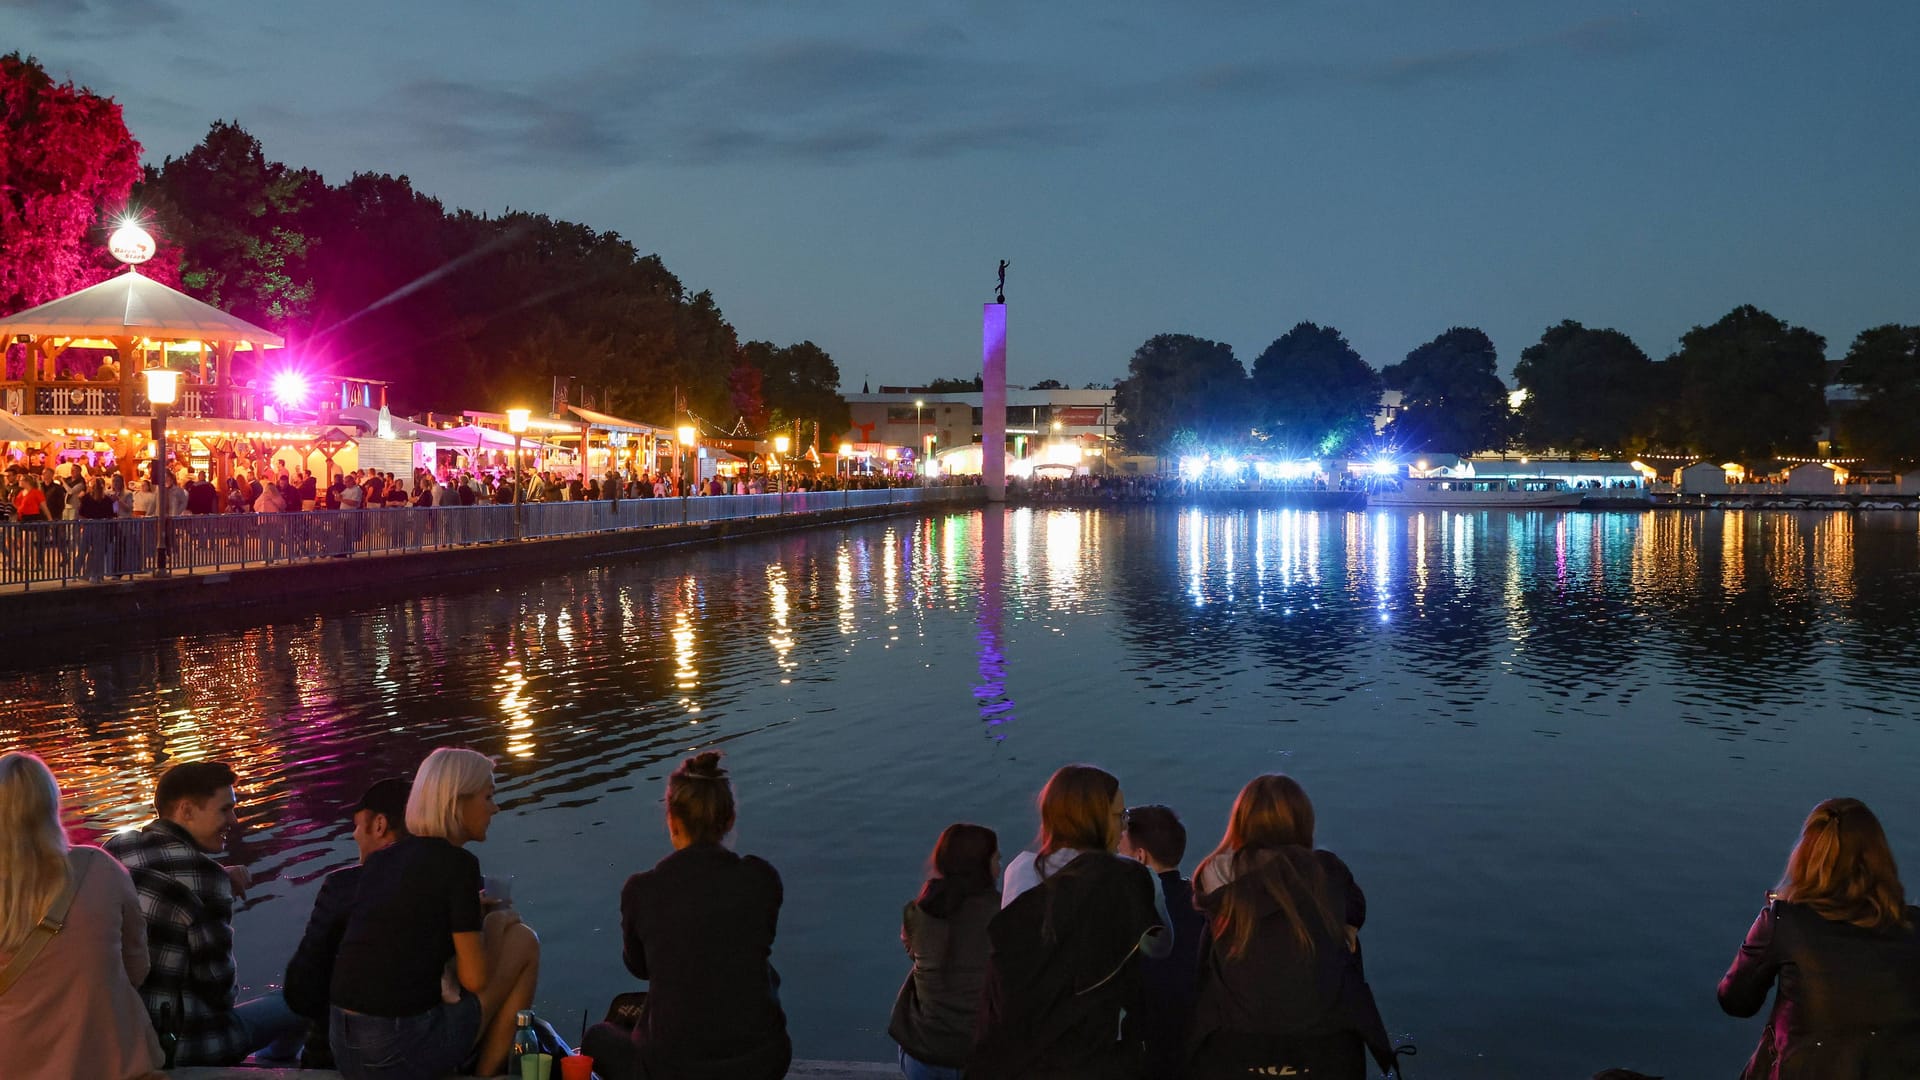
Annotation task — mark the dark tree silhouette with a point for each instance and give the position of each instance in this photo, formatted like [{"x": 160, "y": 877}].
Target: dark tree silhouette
[
  {"x": 1883, "y": 367},
  {"x": 1587, "y": 390},
  {"x": 1452, "y": 399},
  {"x": 1748, "y": 388},
  {"x": 1313, "y": 394},
  {"x": 1180, "y": 386}
]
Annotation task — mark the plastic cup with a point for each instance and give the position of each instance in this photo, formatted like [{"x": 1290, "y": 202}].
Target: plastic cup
[
  {"x": 577, "y": 1067},
  {"x": 536, "y": 1067}
]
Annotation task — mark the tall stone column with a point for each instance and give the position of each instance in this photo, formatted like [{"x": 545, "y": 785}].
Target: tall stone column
[{"x": 993, "y": 399}]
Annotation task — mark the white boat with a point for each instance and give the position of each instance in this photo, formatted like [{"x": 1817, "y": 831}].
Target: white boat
[{"x": 1504, "y": 493}]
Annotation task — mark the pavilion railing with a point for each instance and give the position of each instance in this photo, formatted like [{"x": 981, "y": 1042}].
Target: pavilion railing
[{"x": 73, "y": 552}]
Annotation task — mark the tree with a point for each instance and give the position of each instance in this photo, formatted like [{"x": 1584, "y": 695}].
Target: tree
[
  {"x": 1587, "y": 390},
  {"x": 1452, "y": 399},
  {"x": 1312, "y": 393},
  {"x": 1883, "y": 366},
  {"x": 1748, "y": 388},
  {"x": 961, "y": 385},
  {"x": 800, "y": 382},
  {"x": 238, "y": 219},
  {"x": 67, "y": 164},
  {"x": 1180, "y": 383},
  {"x": 1048, "y": 384}
]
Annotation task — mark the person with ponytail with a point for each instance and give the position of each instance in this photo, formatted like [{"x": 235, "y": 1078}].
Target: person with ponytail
[
  {"x": 1839, "y": 939},
  {"x": 69, "y": 1006},
  {"x": 1065, "y": 949},
  {"x": 945, "y": 932},
  {"x": 1281, "y": 988},
  {"x": 699, "y": 928}
]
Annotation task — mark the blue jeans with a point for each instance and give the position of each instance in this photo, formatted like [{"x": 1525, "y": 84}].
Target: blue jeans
[
  {"x": 914, "y": 1069},
  {"x": 433, "y": 1044},
  {"x": 274, "y": 1032}
]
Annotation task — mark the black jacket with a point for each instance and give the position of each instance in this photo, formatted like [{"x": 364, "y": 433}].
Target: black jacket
[
  {"x": 699, "y": 927},
  {"x": 1171, "y": 982},
  {"x": 1848, "y": 1005},
  {"x": 310, "y": 972},
  {"x": 935, "y": 1013},
  {"x": 1274, "y": 996},
  {"x": 1061, "y": 971}
]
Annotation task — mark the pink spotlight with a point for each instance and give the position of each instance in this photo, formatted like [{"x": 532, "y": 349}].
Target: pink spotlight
[{"x": 290, "y": 388}]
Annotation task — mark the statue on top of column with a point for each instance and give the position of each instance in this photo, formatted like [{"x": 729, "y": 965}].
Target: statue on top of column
[{"x": 1000, "y": 290}]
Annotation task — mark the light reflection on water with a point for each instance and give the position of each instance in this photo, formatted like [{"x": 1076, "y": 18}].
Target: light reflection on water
[{"x": 1564, "y": 753}]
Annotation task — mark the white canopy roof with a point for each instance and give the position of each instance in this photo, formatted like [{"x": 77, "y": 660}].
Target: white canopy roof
[{"x": 133, "y": 305}]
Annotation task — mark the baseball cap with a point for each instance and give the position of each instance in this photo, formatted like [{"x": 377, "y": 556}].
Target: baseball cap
[{"x": 387, "y": 797}]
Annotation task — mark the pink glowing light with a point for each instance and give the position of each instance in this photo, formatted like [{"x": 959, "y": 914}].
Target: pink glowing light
[{"x": 290, "y": 388}]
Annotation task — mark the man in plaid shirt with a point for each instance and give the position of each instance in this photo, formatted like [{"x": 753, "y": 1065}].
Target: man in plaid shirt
[{"x": 187, "y": 900}]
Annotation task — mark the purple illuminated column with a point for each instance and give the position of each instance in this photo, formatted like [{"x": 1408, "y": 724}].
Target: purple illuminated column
[{"x": 993, "y": 400}]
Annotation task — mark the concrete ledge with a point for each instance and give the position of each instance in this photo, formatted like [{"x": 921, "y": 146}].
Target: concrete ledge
[
  {"x": 809, "y": 1070},
  {"x": 54, "y": 611}
]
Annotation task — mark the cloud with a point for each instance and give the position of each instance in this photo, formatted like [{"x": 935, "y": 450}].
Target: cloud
[{"x": 96, "y": 20}]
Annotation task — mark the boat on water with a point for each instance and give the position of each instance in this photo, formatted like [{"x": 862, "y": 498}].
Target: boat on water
[{"x": 1466, "y": 493}]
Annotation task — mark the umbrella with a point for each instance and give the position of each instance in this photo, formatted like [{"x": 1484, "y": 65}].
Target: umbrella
[{"x": 15, "y": 429}]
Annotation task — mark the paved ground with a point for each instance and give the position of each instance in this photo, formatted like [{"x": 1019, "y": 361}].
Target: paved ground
[{"x": 801, "y": 1070}]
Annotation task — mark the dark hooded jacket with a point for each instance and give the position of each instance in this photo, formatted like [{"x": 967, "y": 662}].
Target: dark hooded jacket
[
  {"x": 1061, "y": 970},
  {"x": 1275, "y": 999},
  {"x": 1848, "y": 1005}
]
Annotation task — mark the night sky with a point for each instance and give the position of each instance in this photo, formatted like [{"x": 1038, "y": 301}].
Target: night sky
[{"x": 851, "y": 172}]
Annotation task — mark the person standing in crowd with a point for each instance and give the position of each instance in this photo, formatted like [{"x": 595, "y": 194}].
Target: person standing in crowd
[
  {"x": 175, "y": 495},
  {"x": 201, "y": 496},
  {"x": 379, "y": 822},
  {"x": 95, "y": 541},
  {"x": 1281, "y": 984},
  {"x": 945, "y": 932},
  {"x": 1073, "y": 916},
  {"x": 1843, "y": 945},
  {"x": 353, "y": 496},
  {"x": 1155, "y": 837},
  {"x": 68, "y": 1003},
  {"x": 394, "y": 1009},
  {"x": 56, "y": 495},
  {"x": 30, "y": 504},
  {"x": 309, "y": 490},
  {"x": 699, "y": 927},
  {"x": 187, "y": 900}
]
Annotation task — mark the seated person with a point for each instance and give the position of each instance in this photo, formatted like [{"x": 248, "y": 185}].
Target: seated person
[{"x": 379, "y": 821}]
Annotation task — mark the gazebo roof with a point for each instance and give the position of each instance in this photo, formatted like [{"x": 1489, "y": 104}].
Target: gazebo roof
[{"x": 133, "y": 305}]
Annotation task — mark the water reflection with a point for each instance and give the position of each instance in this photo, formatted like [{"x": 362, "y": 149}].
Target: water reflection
[{"x": 883, "y": 662}]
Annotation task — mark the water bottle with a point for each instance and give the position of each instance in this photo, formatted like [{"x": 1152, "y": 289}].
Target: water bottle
[{"x": 525, "y": 1041}]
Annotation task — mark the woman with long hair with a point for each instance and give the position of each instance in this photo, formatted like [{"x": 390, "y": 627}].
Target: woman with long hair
[
  {"x": 425, "y": 980},
  {"x": 1064, "y": 948},
  {"x": 699, "y": 927},
  {"x": 944, "y": 930},
  {"x": 1840, "y": 939},
  {"x": 71, "y": 1008},
  {"x": 1281, "y": 986}
]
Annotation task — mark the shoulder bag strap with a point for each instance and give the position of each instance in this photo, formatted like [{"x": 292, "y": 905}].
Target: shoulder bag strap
[{"x": 52, "y": 923}]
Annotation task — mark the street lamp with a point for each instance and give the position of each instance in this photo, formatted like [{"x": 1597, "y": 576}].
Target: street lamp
[
  {"x": 163, "y": 388},
  {"x": 920, "y": 443},
  {"x": 687, "y": 436},
  {"x": 517, "y": 423},
  {"x": 780, "y": 444},
  {"x": 846, "y": 458}
]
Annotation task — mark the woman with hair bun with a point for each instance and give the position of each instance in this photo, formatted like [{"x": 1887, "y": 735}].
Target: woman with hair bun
[
  {"x": 1839, "y": 938},
  {"x": 1064, "y": 965},
  {"x": 699, "y": 928}
]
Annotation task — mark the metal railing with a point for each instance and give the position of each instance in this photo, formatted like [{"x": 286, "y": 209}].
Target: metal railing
[{"x": 68, "y": 552}]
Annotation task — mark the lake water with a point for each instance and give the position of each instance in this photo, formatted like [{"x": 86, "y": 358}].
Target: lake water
[{"x": 1565, "y": 754}]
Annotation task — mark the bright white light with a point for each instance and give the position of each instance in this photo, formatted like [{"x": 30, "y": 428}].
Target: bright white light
[
  {"x": 130, "y": 244},
  {"x": 289, "y": 388},
  {"x": 517, "y": 420},
  {"x": 1192, "y": 467},
  {"x": 1382, "y": 467},
  {"x": 1229, "y": 466}
]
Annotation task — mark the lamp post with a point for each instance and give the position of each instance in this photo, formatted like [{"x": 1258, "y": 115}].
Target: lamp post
[
  {"x": 687, "y": 438},
  {"x": 780, "y": 444},
  {"x": 517, "y": 423},
  {"x": 846, "y": 459},
  {"x": 920, "y": 444},
  {"x": 163, "y": 388}
]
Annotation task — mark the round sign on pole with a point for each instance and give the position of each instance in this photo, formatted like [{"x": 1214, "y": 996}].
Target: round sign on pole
[{"x": 131, "y": 244}]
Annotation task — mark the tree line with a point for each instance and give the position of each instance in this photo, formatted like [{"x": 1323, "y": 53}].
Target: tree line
[
  {"x": 373, "y": 278},
  {"x": 1749, "y": 387}
]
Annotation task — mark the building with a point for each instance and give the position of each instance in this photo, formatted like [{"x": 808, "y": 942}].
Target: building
[{"x": 904, "y": 416}]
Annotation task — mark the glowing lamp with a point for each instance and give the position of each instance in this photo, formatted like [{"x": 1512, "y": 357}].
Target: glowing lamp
[
  {"x": 1056, "y": 425},
  {"x": 846, "y": 449},
  {"x": 517, "y": 420},
  {"x": 918, "y": 404},
  {"x": 130, "y": 244},
  {"x": 780, "y": 444},
  {"x": 163, "y": 385},
  {"x": 290, "y": 388},
  {"x": 686, "y": 435}
]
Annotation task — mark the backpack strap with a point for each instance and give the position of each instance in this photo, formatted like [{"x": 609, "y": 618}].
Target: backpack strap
[{"x": 54, "y": 921}]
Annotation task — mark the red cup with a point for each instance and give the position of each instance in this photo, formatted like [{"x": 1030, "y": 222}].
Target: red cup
[{"x": 576, "y": 1067}]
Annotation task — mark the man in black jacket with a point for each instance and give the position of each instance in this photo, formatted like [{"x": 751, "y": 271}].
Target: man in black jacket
[
  {"x": 379, "y": 822},
  {"x": 1155, "y": 837}
]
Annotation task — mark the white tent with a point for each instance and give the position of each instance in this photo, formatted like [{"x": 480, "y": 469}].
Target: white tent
[
  {"x": 132, "y": 305},
  {"x": 1813, "y": 478},
  {"x": 1703, "y": 477}
]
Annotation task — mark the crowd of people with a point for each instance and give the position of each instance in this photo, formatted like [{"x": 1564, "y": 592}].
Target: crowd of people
[{"x": 1089, "y": 956}]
